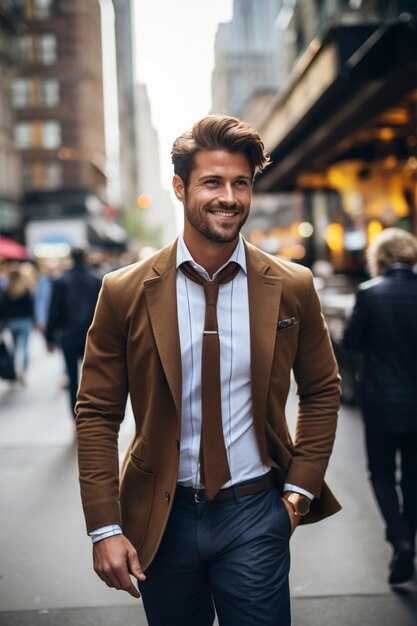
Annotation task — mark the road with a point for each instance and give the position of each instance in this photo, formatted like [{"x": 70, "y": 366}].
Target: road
[{"x": 339, "y": 567}]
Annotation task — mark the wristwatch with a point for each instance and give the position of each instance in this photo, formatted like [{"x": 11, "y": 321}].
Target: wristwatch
[{"x": 300, "y": 503}]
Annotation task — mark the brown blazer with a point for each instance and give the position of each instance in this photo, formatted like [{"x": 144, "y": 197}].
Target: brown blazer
[{"x": 133, "y": 348}]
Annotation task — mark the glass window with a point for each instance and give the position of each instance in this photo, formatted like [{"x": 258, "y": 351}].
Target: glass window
[
  {"x": 26, "y": 169},
  {"x": 41, "y": 175},
  {"x": 22, "y": 92},
  {"x": 51, "y": 135},
  {"x": 46, "y": 48},
  {"x": 23, "y": 135},
  {"x": 38, "y": 9},
  {"x": 52, "y": 175},
  {"x": 42, "y": 9},
  {"x": 49, "y": 92},
  {"x": 25, "y": 49}
]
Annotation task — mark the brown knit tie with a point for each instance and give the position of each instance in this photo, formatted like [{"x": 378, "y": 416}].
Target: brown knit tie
[{"x": 215, "y": 471}]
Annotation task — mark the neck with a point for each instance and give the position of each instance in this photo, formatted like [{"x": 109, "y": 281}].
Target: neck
[{"x": 210, "y": 255}]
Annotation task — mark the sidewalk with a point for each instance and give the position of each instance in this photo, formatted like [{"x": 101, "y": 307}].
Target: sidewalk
[{"x": 396, "y": 609}]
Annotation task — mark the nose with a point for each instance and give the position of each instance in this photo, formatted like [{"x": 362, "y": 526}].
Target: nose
[{"x": 227, "y": 196}]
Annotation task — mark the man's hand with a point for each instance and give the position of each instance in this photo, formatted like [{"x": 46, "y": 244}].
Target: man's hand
[
  {"x": 294, "y": 519},
  {"x": 114, "y": 559}
]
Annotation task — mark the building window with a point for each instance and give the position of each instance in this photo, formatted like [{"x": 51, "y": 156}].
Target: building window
[
  {"x": 28, "y": 92},
  {"x": 25, "y": 48},
  {"x": 49, "y": 92},
  {"x": 46, "y": 48},
  {"x": 50, "y": 135},
  {"x": 23, "y": 135},
  {"x": 38, "y": 9},
  {"x": 23, "y": 92},
  {"x": 41, "y": 48},
  {"x": 37, "y": 134},
  {"x": 41, "y": 175}
]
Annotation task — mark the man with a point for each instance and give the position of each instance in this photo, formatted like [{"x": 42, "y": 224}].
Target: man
[
  {"x": 73, "y": 300},
  {"x": 383, "y": 326},
  {"x": 200, "y": 505}
]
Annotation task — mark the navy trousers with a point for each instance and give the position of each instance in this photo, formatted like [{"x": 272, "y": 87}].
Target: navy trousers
[
  {"x": 400, "y": 515},
  {"x": 230, "y": 556},
  {"x": 73, "y": 355}
]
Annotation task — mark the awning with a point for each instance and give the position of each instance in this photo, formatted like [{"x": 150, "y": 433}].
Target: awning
[
  {"x": 356, "y": 73},
  {"x": 11, "y": 250},
  {"x": 102, "y": 232}
]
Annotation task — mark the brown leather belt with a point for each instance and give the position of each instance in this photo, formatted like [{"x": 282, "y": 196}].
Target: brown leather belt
[{"x": 247, "y": 488}]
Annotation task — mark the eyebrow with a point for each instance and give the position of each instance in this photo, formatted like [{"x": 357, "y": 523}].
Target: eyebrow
[{"x": 219, "y": 177}]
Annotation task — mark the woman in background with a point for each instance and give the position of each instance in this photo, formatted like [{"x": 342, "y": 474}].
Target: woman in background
[{"x": 16, "y": 312}]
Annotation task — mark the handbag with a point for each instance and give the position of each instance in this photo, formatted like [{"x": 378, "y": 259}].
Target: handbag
[{"x": 7, "y": 370}]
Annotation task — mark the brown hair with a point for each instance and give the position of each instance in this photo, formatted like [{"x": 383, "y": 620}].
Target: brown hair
[
  {"x": 218, "y": 132},
  {"x": 393, "y": 245},
  {"x": 16, "y": 286}
]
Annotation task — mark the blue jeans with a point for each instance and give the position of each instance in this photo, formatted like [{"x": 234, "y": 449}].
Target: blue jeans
[
  {"x": 231, "y": 555},
  {"x": 20, "y": 328}
]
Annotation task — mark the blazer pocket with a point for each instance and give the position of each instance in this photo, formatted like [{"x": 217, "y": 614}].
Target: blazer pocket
[{"x": 286, "y": 323}]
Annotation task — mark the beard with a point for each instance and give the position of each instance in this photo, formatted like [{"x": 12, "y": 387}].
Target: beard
[{"x": 224, "y": 233}]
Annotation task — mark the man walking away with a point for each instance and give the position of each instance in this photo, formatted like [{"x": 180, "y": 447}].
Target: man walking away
[
  {"x": 383, "y": 327},
  {"x": 74, "y": 297}
]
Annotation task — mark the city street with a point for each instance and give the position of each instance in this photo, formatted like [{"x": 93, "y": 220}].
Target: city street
[{"x": 339, "y": 567}]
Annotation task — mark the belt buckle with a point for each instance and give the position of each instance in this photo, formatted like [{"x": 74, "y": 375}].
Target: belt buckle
[{"x": 198, "y": 494}]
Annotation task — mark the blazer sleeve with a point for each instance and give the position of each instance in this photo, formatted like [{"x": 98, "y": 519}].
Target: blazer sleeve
[
  {"x": 100, "y": 409},
  {"x": 318, "y": 387}
]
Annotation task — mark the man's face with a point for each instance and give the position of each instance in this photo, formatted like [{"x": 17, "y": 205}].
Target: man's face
[{"x": 218, "y": 196}]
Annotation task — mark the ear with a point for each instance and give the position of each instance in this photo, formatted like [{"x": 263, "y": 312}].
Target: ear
[{"x": 179, "y": 188}]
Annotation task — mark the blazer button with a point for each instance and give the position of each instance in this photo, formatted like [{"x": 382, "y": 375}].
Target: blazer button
[{"x": 167, "y": 496}]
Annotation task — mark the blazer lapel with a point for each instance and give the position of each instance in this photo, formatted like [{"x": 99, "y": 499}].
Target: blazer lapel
[
  {"x": 264, "y": 299},
  {"x": 161, "y": 298}
]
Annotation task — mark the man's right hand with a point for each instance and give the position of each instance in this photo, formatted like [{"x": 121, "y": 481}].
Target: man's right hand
[{"x": 114, "y": 559}]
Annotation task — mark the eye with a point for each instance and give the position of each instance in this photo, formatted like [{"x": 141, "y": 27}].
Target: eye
[
  {"x": 243, "y": 184},
  {"x": 212, "y": 182}
]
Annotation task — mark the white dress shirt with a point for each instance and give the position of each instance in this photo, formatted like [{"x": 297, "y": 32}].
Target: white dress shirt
[
  {"x": 236, "y": 399},
  {"x": 235, "y": 366}
]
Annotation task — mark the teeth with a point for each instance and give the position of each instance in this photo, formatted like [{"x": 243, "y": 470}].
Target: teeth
[{"x": 223, "y": 213}]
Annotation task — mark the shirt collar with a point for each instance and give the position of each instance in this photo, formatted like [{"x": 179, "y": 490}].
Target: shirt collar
[{"x": 183, "y": 255}]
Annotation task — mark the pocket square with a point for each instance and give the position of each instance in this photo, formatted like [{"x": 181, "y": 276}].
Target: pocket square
[{"x": 290, "y": 321}]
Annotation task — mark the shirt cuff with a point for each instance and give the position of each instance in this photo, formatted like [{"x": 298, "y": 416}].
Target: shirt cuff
[
  {"x": 304, "y": 492},
  {"x": 104, "y": 532}
]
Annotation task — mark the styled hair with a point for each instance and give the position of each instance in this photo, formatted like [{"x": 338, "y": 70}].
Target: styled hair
[
  {"x": 393, "y": 245},
  {"x": 218, "y": 132}
]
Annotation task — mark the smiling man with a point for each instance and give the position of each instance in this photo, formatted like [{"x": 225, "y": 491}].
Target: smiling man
[{"x": 204, "y": 336}]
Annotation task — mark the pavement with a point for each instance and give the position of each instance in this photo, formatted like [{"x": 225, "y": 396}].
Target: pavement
[{"x": 339, "y": 567}]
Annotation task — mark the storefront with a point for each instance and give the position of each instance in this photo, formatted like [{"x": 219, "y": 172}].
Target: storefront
[{"x": 343, "y": 134}]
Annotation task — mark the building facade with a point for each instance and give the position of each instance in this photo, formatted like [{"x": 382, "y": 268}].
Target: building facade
[
  {"x": 59, "y": 129},
  {"x": 155, "y": 209},
  {"x": 10, "y": 210},
  {"x": 247, "y": 56},
  {"x": 123, "y": 12}
]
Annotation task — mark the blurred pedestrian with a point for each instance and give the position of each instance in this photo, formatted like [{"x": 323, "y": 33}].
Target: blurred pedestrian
[
  {"x": 73, "y": 299},
  {"x": 48, "y": 272},
  {"x": 383, "y": 327},
  {"x": 16, "y": 312},
  {"x": 212, "y": 486}
]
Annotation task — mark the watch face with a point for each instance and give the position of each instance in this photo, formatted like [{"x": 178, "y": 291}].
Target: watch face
[{"x": 303, "y": 506}]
